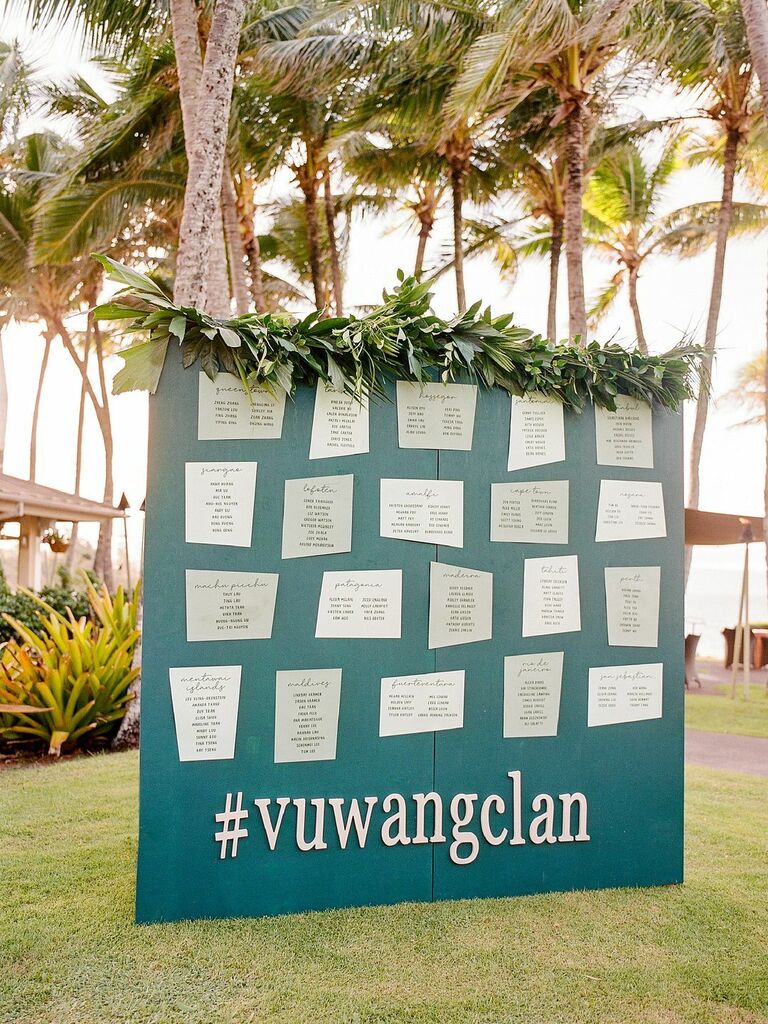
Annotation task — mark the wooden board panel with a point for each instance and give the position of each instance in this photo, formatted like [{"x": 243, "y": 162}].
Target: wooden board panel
[{"x": 631, "y": 774}]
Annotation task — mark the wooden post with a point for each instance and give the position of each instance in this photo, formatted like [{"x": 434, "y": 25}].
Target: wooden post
[
  {"x": 30, "y": 562},
  {"x": 742, "y": 627},
  {"x": 738, "y": 636},
  {"x": 748, "y": 641},
  {"x": 124, "y": 506}
]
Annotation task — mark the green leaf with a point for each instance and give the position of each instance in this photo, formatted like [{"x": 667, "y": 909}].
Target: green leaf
[
  {"x": 116, "y": 311},
  {"x": 130, "y": 278},
  {"x": 335, "y": 374},
  {"x": 230, "y": 338},
  {"x": 178, "y": 326},
  {"x": 142, "y": 369}
]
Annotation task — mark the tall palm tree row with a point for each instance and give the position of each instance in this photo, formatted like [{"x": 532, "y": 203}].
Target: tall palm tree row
[{"x": 245, "y": 135}]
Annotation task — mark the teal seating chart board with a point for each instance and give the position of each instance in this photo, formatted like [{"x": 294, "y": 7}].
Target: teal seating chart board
[{"x": 449, "y": 665}]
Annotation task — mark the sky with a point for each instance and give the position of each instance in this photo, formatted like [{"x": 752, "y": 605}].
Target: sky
[{"x": 673, "y": 297}]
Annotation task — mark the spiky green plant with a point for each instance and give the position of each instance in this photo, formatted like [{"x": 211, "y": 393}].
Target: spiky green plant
[{"x": 69, "y": 680}]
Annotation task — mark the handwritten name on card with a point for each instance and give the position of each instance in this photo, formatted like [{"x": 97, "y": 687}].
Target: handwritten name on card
[
  {"x": 460, "y": 605},
  {"x": 364, "y": 604},
  {"x": 307, "y": 714},
  {"x": 317, "y": 516},
  {"x": 630, "y": 510},
  {"x": 218, "y": 502},
  {"x": 530, "y": 513},
  {"x": 532, "y": 685},
  {"x": 551, "y": 602},
  {"x": 230, "y": 605},
  {"x": 340, "y": 425},
  {"x": 624, "y": 693},
  {"x": 625, "y": 437},
  {"x": 205, "y": 703},
  {"x": 632, "y": 605},
  {"x": 227, "y": 412},
  {"x": 428, "y": 511},
  {"x": 536, "y": 432},
  {"x": 436, "y": 415},
  {"x": 423, "y": 703}
]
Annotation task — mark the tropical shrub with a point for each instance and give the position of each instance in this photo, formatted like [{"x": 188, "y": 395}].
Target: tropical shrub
[
  {"x": 67, "y": 681},
  {"x": 25, "y": 608}
]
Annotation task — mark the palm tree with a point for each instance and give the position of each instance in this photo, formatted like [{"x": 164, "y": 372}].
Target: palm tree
[
  {"x": 621, "y": 213},
  {"x": 299, "y": 85},
  {"x": 756, "y": 20},
  {"x": 415, "y": 53},
  {"x": 16, "y": 89},
  {"x": 405, "y": 175},
  {"x": 17, "y": 92},
  {"x": 531, "y": 165},
  {"x": 562, "y": 47},
  {"x": 205, "y": 91},
  {"x": 702, "y": 45},
  {"x": 47, "y": 293}
]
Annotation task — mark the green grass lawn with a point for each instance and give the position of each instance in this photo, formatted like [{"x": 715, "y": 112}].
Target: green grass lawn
[
  {"x": 718, "y": 713},
  {"x": 71, "y": 955}
]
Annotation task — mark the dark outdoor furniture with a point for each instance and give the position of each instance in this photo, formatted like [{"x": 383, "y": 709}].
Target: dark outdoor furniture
[
  {"x": 691, "y": 643},
  {"x": 758, "y": 646}
]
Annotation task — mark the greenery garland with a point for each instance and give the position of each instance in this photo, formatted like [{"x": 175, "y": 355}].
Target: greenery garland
[{"x": 400, "y": 339}]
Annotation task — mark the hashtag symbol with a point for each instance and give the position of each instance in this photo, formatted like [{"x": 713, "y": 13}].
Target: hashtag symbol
[{"x": 231, "y": 832}]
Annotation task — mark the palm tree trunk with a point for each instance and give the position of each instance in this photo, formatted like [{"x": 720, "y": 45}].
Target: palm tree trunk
[
  {"x": 247, "y": 213},
  {"x": 458, "y": 172},
  {"x": 103, "y": 557},
  {"x": 217, "y": 284},
  {"x": 333, "y": 249},
  {"x": 189, "y": 63},
  {"x": 555, "y": 249},
  {"x": 724, "y": 216},
  {"x": 205, "y": 155},
  {"x": 756, "y": 21},
  {"x": 71, "y": 555},
  {"x": 641, "y": 342},
  {"x": 309, "y": 187},
  {"x": 574, "y": 238},
  {"x": 102, "y": 563},
  {"x": 253, "y": 255},
  {"x": 424, "y": 232},
  {"x": 36, "y": 409},
  {"x": 234, "y": 240}
]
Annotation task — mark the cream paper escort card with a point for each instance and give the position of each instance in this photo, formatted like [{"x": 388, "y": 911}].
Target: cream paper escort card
[
  {"x": 632, "y": 605},
  {"x": 625, "y": 437},
  {"x": 530, "y": 513},
  {"x": 624, "y": 693},
  {"x": 317, "y": 516},
  {"x": 536, "y": 432},
  {"x": 218, "y": 502},
  {"x": 306, "y": 714},
  {"x": 339, "y": 425},
  {"x": 436, "y": 415},
  {"x": 226, "y": 412},
  {"x": 532, "y": 685},
  {"x": 230, "y": 605},
  {"x": 551, "y": 596},
  {"x": 361, "y": 604},
  {"x": 429, "y": 702},
  {"x": 630, "y": 510},
  {"x": 460, "y": 605},
  {"x": 205, "y": 703},
  {"x": 429, "y": 511}
]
